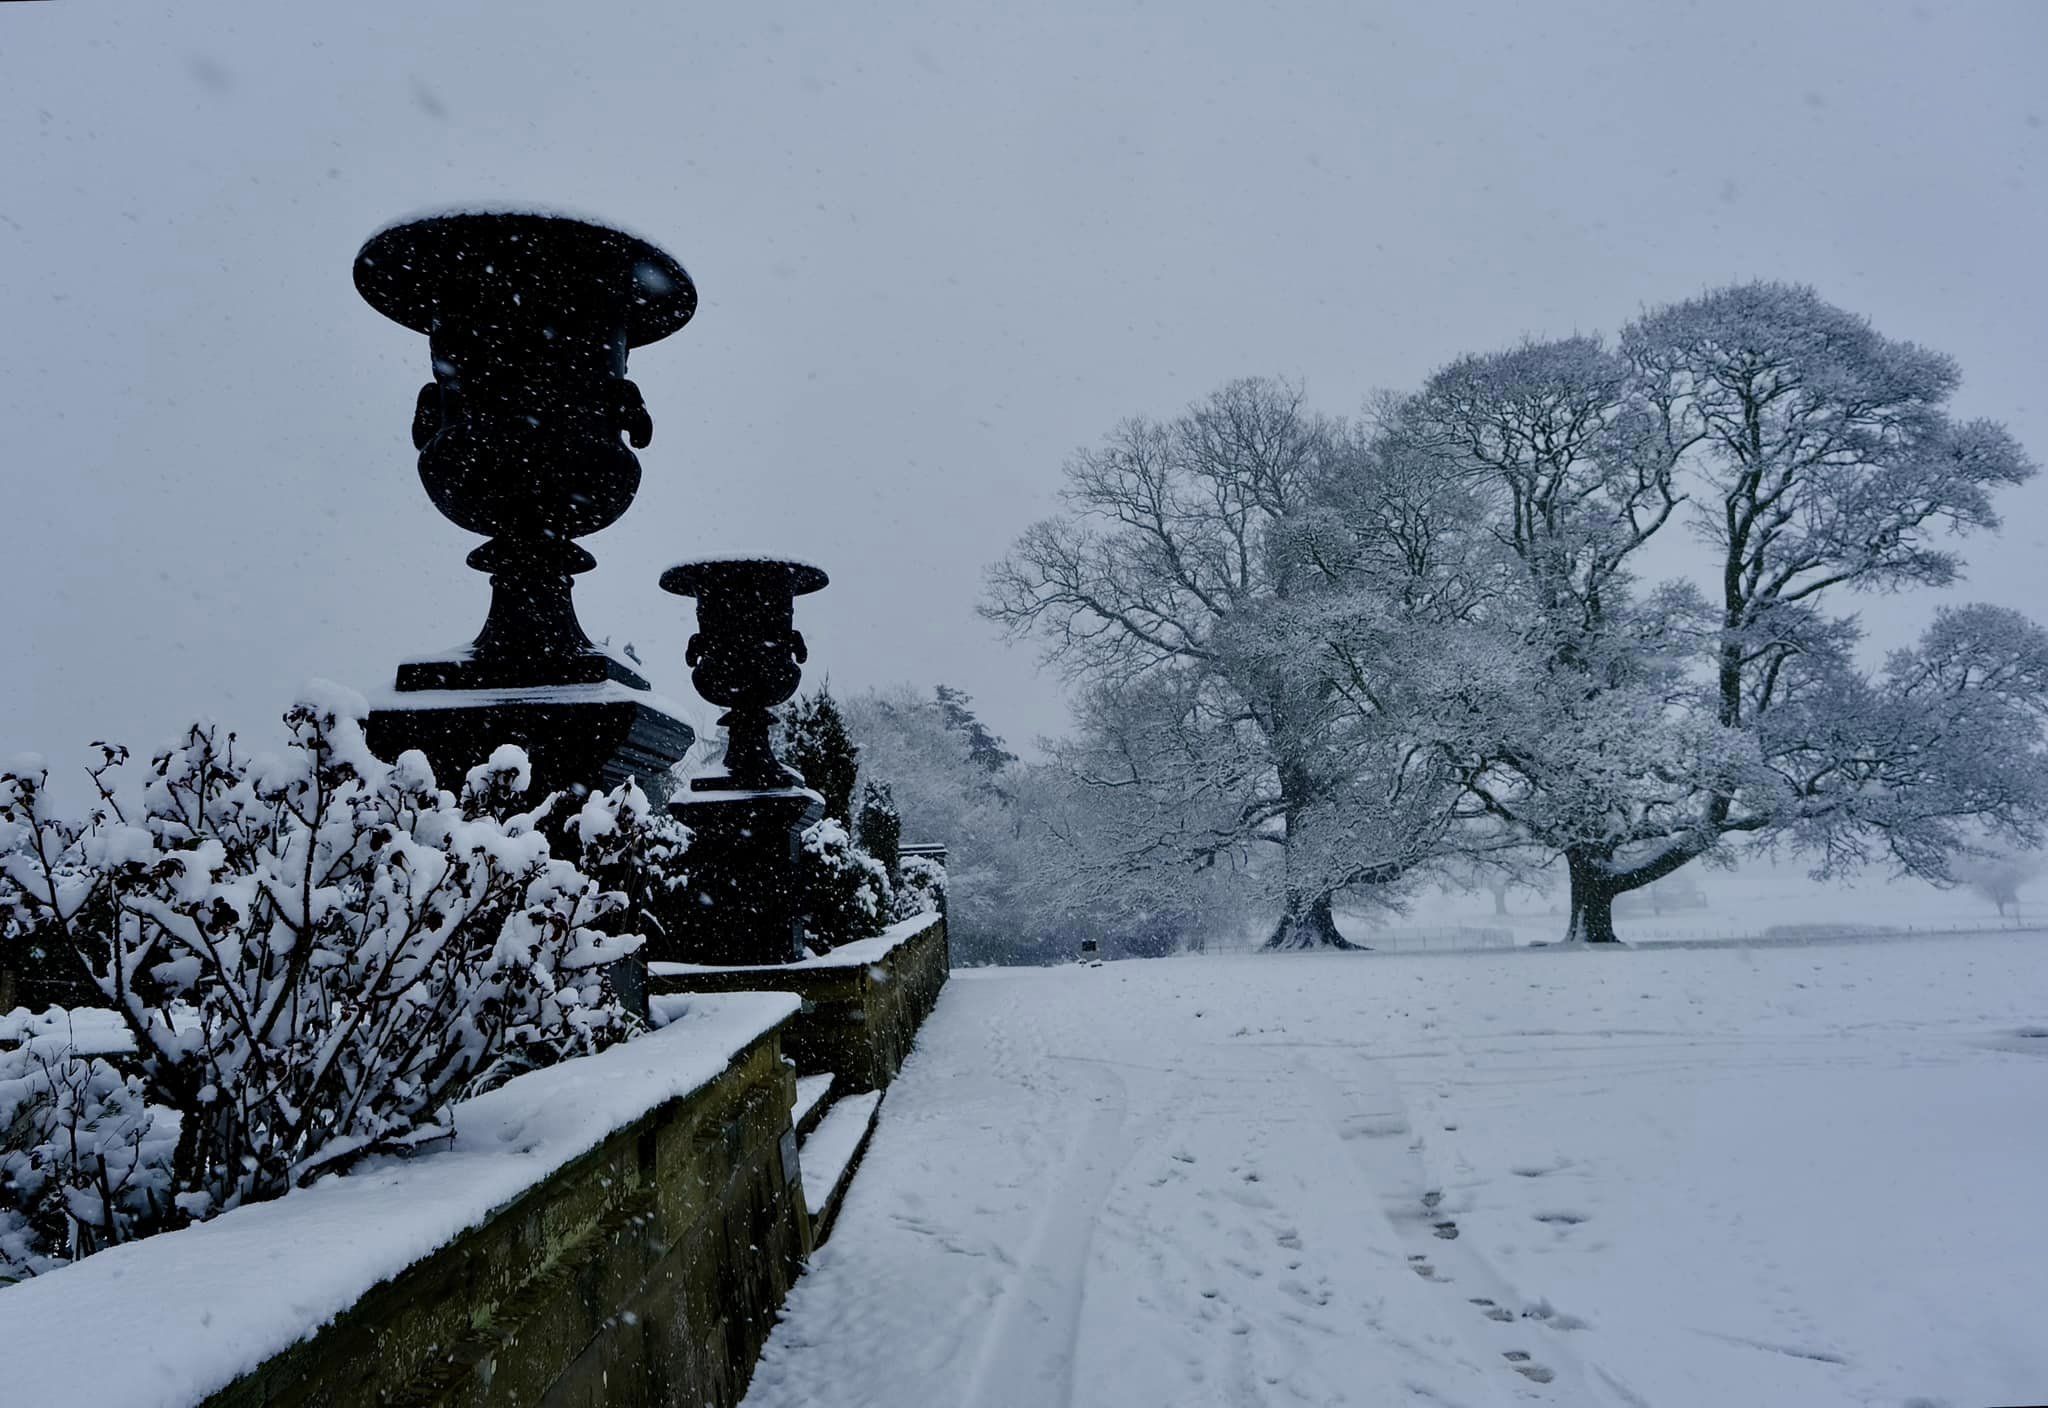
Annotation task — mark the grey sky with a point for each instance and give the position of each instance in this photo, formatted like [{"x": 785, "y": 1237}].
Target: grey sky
[{"x": 939, "y": 245}]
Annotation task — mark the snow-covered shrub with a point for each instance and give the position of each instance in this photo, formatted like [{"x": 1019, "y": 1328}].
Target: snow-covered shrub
[
  {"x": 812, "y": 738},
  {"x": 630, "y": 848},
  {"x": 315, "y": 954},
  {"x": 920, "y": 887},
  {"x": 881, "y": 825},
  {"x": 84, "y": 1162},
  {"x": 846, "y": 890}
]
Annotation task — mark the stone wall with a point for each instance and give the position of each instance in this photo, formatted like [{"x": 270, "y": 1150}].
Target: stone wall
[
  {"x": 642, "y": 1265},
  {"x": 862, "y": 1002},
  {"x": 648, "y": 1271}
]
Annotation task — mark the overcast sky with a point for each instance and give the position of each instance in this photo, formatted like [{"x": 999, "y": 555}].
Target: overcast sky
[{"x": 939, "y": 246}]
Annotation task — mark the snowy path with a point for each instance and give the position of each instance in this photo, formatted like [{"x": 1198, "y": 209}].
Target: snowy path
[{"x": 1783, "y": 1175}]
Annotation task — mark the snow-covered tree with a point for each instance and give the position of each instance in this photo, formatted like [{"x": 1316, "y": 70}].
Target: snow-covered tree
[
  {"x": 1998, "y": 874},
  {"x": 1387, "y": 631},
  {"x": 880, "y": 824},
  {"x": 946, "y": 795},
  {"x": 1823, "y": 462},
  {"x": 1143, "y": 869},
  {"x": 1572, "y": 470},
  {"x": 1166, "y": 591},
  {"x": 814, "y": 741},
  {"x": 1919, "y": 765},
  {"x": 1635, "y": 734},
  {"x": 983, "y": 747}
]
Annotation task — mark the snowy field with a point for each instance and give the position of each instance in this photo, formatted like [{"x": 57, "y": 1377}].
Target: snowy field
[
  {"x": 1786, "y": 1174},
  {"x": 1749, "y": 904}
]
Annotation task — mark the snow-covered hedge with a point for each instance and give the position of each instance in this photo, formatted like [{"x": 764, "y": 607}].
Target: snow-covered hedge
[
  {"x": 846, "y": 891},
  {"x": 920, "y": 887},
  {"x": 314, "y": 954}
]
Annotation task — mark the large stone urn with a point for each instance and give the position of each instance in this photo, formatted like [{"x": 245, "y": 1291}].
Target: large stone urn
[{"x": 526, "y": 435}]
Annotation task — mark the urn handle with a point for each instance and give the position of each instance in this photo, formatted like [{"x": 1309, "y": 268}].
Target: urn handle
[
  {"x": 633, "y": 416},
  {"x": 426, "y": 415}
]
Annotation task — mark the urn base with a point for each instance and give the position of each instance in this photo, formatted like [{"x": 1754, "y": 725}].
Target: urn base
[
  {"x": 744, "y": 901},
  {"x": 591, "y": 736}
]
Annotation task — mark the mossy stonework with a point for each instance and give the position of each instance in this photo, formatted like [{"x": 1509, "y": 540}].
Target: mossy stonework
[
  {"x": 647, "y": 1272},
  {"x": 858, "y": 1020}
]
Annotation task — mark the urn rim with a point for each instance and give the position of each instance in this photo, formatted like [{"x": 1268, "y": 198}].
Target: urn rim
[
  {"x": 401, "y": 269},
  {"x": 695, "y": 577}
]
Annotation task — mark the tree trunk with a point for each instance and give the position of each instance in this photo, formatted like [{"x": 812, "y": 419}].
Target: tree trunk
[
  {"x": 1592, "y": 902},
  {"x": 1305, "y": 919},
  {"x": 1308, "y": 924},
  {"x": 1500, "y": 899}
]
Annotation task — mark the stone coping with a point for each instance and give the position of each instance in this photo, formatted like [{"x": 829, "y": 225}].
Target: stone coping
[
  {"x": 199, "y": 1308},
  {"x": 599, "y": 692},
  {"x": 858, "y": 954}
]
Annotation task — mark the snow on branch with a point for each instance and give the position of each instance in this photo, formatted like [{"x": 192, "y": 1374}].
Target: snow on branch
[{"x": 315, "y": 955}]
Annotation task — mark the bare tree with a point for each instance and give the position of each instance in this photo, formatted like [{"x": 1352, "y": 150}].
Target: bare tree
[
  {"x": 1173, "y": 589},
  {"x": 1997, "y": 875},
  {"x": 1823, "y": 463},
  {"x": 1634, "y": 735},
  {"x": 1574, "y": 469}
]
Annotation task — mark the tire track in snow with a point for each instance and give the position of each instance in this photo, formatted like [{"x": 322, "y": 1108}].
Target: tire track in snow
[{"x": 1027, "y": 1360}]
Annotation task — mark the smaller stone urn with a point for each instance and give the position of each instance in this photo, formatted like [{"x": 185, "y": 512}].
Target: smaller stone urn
[
  {"x": 745, "y": 901},
  {"x": 746, "y": 657}
]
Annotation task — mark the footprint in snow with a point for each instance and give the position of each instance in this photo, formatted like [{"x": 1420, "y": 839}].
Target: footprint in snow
[
  {"x": 1493, "y": 1310},
  {"x": 1318, "y": 1297},
  {"x": 1372, "y": 1127},
  {"x": 1421, "y": 1266},
  {"x": 1562, "y": 1218},
  {"x": 1527, "y": 1367},
  {"x": 1447, "y": 1230},
  {"x": 1548, "y": 1314}
]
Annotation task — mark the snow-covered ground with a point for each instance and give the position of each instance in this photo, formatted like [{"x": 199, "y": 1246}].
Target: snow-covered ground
[
  {"x": 1756, "y": 901},
  {"x": 1768, "y": 1174}
]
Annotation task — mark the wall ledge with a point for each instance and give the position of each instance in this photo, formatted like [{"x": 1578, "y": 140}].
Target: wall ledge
[{"x": 202, "y": 1308}]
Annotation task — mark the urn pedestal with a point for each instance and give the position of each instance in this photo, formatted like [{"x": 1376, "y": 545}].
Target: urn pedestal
[
  {"x": 571, "y": 740},
  {"x": 745, "y": 898},
  {"x": 744, "y": 902}
]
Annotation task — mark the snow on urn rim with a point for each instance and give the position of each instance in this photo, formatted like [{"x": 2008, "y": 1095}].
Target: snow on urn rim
[
  {"x": 402, "y": 269},
  {"x": 761, "y": 571}
]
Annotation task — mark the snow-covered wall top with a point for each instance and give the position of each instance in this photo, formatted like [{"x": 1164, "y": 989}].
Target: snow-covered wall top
[
  {"x": 199, "y": 1308},
  {"x": 853, "y": 955}
]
